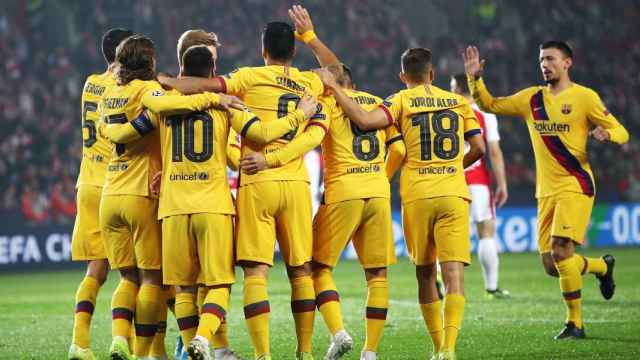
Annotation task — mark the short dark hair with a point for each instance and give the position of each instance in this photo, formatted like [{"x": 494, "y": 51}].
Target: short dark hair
[
  {"x": 347, "y": 75},
  {"x": 136, "y": 56},
  {"x": 560, "y": 45},
  {"x": 278, "y": 40},
  {"x": 110, "y": 41},
  {"x": 197, "y": 61},
  {"x": 461, "y": 81},
  {"x": 416, "y": 63}
]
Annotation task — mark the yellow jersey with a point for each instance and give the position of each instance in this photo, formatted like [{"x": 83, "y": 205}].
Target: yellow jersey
[
  {"x": 354, "y": 159},
  {"x": 559, "y": 128},
  {"x": 272, "y": 92},
  {"x": 434, "y": 124},
  {"x": 96, "y": 150},
  {"x": 194, "y": 162},
  {"x": 133, "y": 164}
]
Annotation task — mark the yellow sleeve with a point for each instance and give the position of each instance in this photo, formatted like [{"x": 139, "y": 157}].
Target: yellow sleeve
[
  {"x": 392, "y": 107},
  {"x": 507, "y": 105},
  {"x": 300, "y": 145},
  {"x": 156, "y": 100},
  {"x": 599, "y": 115},
  {"x": 233, "y": 150},
  {"x": 471, "y": 124},
  {"x": 250, "y": 127},
  {"x": 396, "y": 151},
  {"x": 123, "y": 133},
  {"x": 237, "y": 82}
]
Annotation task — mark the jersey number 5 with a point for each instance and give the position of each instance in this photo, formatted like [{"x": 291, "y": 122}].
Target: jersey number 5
[
  {"x": 90, "y": 125},
  {"x": 435, "y": 122},
  {"x": 183, "y": 128}
]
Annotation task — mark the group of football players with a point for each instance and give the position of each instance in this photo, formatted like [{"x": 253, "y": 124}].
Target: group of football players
[{"x": 154, "y": 201}]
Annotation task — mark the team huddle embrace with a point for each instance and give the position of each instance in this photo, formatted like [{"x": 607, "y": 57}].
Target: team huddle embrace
[{"x": 154, "y": 200}]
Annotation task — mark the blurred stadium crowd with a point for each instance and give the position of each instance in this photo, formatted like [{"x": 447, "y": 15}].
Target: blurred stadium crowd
[{"x": 48, "y": 48}]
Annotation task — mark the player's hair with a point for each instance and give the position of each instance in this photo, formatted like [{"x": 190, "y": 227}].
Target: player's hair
[
  {"x": 278, "y": 41},
  {"x": 135, "y": 57},
  {"x": 560, "y": 45},
  {"x": 416, "y": 63},
  {"x": 197, "y": 61},
  {"x": 342, "y": 73},
  {"x": 191, "y": 38},
  {"x": 110, "y": 41},
  {"x": 461, "y": 81}
]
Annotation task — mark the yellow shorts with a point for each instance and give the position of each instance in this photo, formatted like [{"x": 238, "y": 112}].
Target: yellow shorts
[
  {"x": 198, "y": 249},
  {"x": 273, "y": 210},
  {"x": 437, "y": 228},
  {"x": 86, "y": 242},
  {"x": 565, "y": 215},
  {"x": 131, "y": 231},
  {"x": 366, "y": 221}
]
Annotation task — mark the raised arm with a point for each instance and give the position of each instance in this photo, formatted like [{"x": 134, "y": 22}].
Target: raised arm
[
  {"x": 250, "y": 127},
  {"x": 365, "y": 120},
  {"x": 304, "y": 32},
  {"x": 473, "y": 66}
]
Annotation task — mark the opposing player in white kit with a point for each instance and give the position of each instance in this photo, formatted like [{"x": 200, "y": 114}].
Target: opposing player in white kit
[{"x": 484, "y": 204}]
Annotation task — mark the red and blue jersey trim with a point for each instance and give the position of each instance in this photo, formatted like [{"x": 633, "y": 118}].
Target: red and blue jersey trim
[
  {"x": 569, "y": 162},
  {"x": 537, "y": 106}
]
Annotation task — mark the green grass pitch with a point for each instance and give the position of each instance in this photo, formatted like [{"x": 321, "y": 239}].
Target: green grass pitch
[{"x": 36, "y": 315}]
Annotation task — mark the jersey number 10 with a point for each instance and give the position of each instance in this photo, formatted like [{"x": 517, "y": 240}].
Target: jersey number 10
[{"x": 183, "y": 128}]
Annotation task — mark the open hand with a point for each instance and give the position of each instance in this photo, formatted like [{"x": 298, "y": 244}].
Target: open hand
[
  {"x": 309, "y": 105},
  {"x": 327, "y": 78},
  {"x": 501, "y": 196},
  {"x": 472, "y": 64},
  {"x": 301, "y": 19},
  {"x": 230, "y": 102}
]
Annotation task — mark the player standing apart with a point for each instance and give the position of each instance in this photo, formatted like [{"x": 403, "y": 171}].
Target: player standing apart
[
  {"x": 86, "y": 243},
  {"x": 560, "y": 117},
  {"x": 434, "y": 124},
  {"x": 483, "y": 206}
]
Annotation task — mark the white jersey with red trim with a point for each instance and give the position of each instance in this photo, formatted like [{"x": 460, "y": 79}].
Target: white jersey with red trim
[{"x": 478, "y": 173}]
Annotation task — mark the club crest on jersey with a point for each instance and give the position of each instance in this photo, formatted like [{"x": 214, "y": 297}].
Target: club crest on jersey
[
  {"x": 157, "y": 93},
  {"x": 566, "y": 109}
]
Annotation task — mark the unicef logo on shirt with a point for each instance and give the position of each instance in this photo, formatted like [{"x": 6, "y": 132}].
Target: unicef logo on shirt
[
  {"x": 451, "y": 170},
  {"x": 203, "y": 176}
]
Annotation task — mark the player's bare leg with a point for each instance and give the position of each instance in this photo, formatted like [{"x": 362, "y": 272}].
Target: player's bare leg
[
  {"x": 97, "y": 271},
  {"x": 328, "y": 303},
  {"x": 303, "y": 307},
  {"x": 430, "y": 305},
  {"x": 256, "y": 306},
  {"x": 376, "y": 311},
  {"x": 123, "y": 306},
  {"x": 488, "y": 258}
]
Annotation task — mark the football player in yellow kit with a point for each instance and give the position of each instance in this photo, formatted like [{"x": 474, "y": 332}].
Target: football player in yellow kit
[
  {"x": 127, "y": 210},
  {"x": 560, "y": 117},
  {"x": 195, "y": 200},
  {"x": 273, "y": 204},
  {"x": 434, "y": 124},
  {"x": 86, "y": 242}
]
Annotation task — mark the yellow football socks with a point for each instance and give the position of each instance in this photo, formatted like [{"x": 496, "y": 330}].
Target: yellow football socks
[
  {"x": 123, "y": 305},
  {"x": 303, "y": 307},
  {"x": 186, "y": 315},
  {"x": 213, "y": 312},
  {"x": 157, "y": 346},
  {"x": 432, "y": 315},
  {"x": 595, "y": 266},
  {"x": 453, "y": 314},
  {"x": 256, "y": 313},
  {"x": 221, "y": 338},
  {"x": 376, "y": 312},
  {"x": 571, "y": 285},
  {"x": 201, "y": 295},
  {"x": 85, "y": 303},
  {"x": 146, "y": 323},
  {"x": 328, "y": 300}
]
